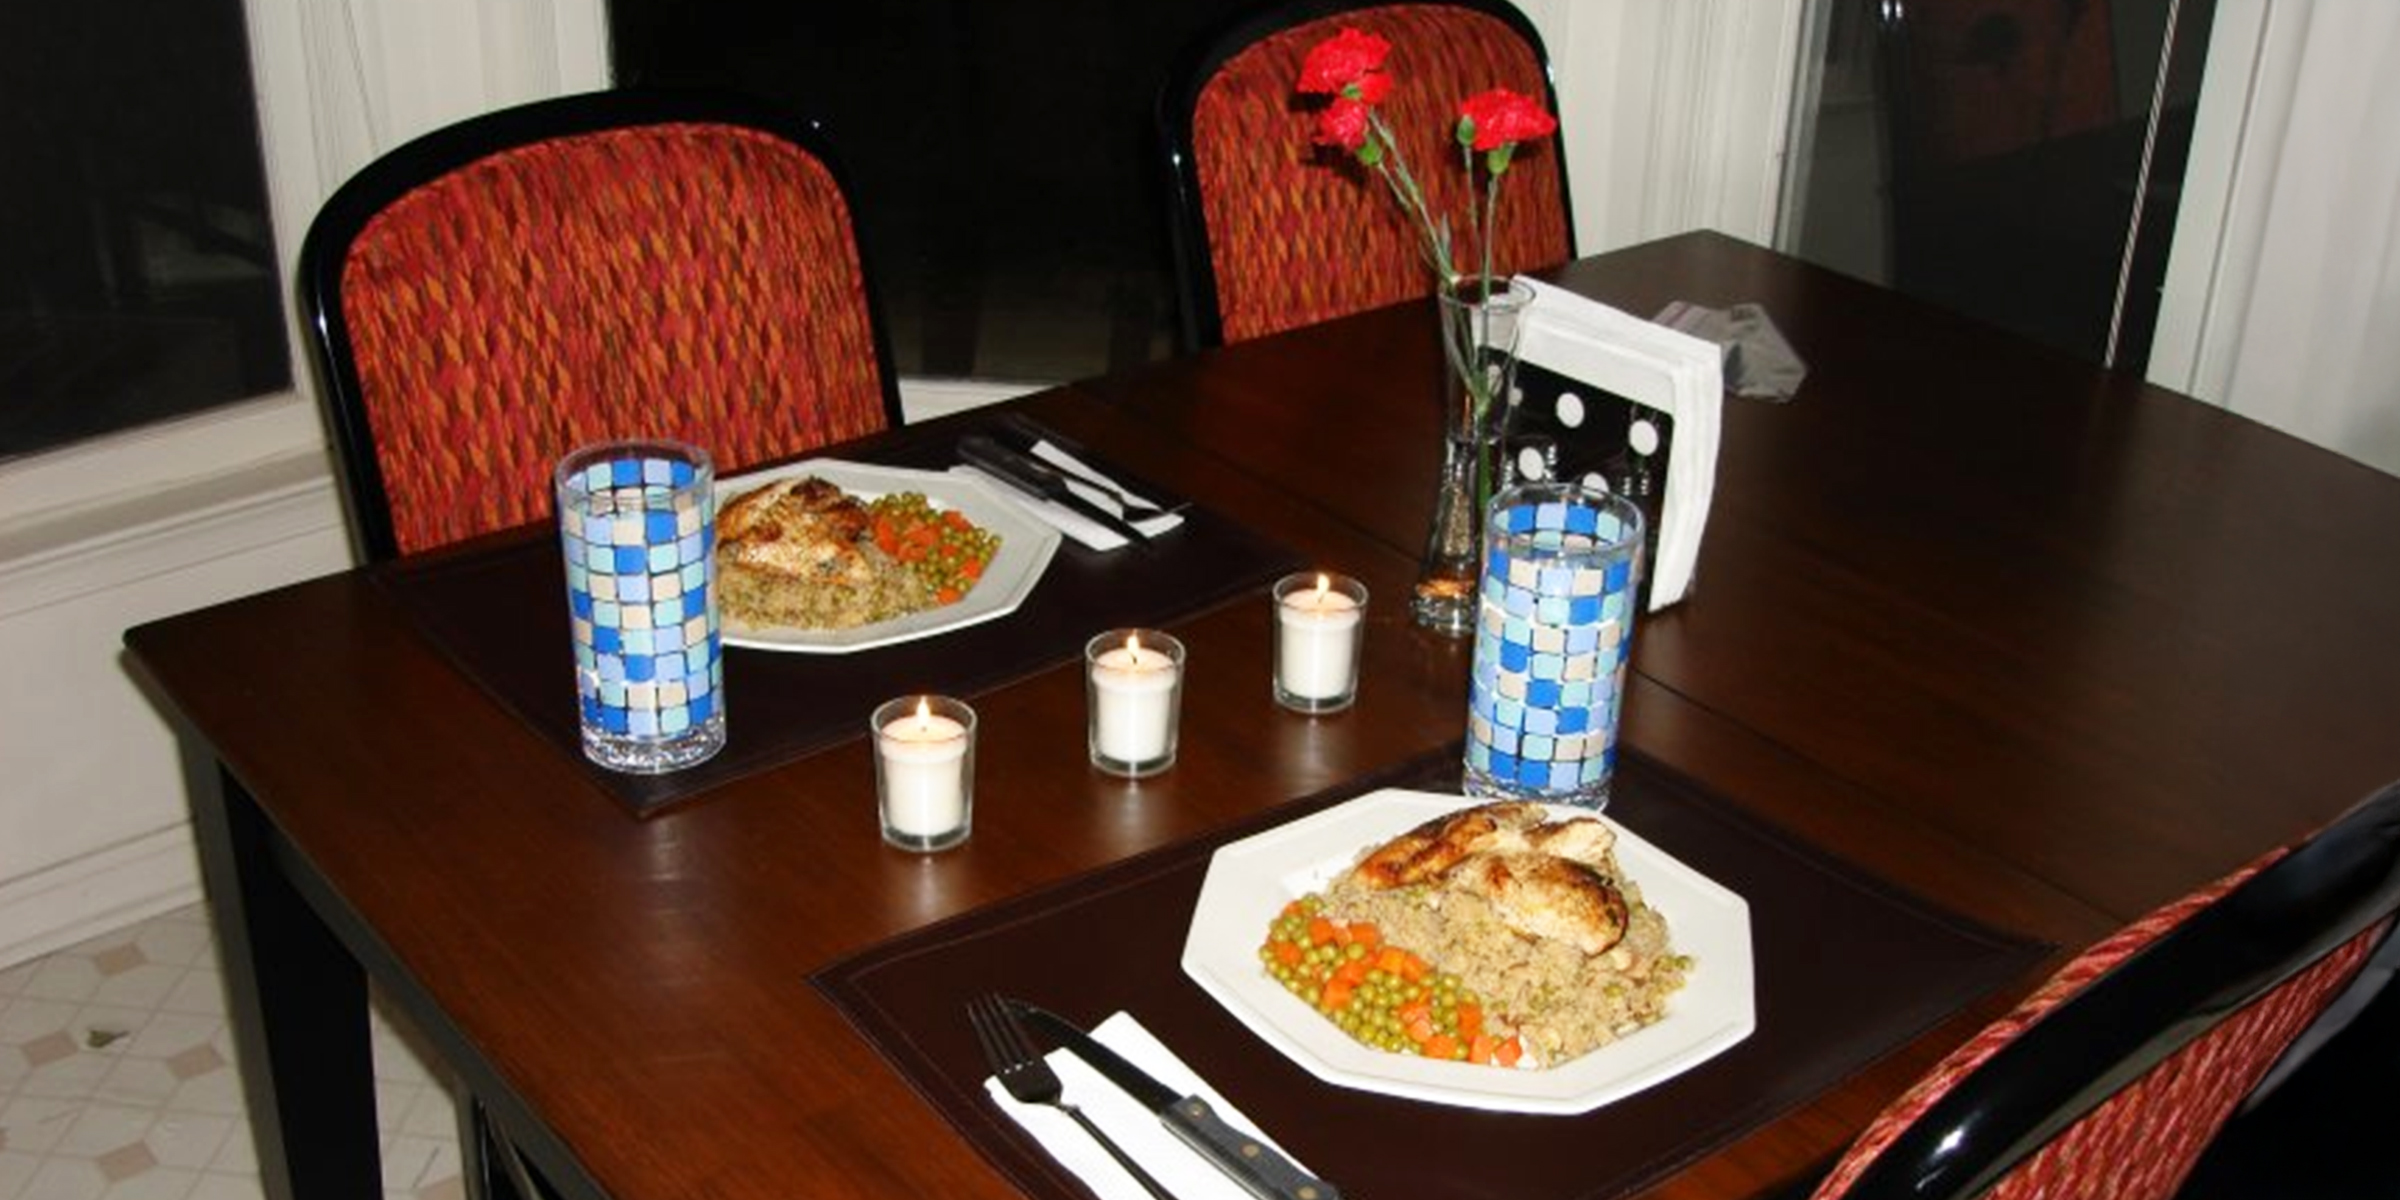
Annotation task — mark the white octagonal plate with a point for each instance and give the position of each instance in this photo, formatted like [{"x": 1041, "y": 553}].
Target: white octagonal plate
[
  {"x": 1250, "y": 881},
  {"x": 1026, "y": 545}
]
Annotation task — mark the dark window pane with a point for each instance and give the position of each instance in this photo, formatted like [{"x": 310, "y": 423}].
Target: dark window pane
[
  {"x": 2000, "y": 157},
  {"x": 138, "y": 275},
  {"x": 1002, "y": 155}
]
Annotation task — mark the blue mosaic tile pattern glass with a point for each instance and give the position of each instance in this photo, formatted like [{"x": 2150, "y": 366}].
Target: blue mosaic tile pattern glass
[
  {"x": 637, "y": 526},
  {"x": 1554, "y": 628}
]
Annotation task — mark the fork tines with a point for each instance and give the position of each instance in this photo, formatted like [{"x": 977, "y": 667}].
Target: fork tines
[{"x": 1004, "y": 1042}]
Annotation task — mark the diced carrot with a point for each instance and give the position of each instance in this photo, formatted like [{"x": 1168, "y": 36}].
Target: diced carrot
[
  {"x": 1287, "y": 953},
  {"x": 1392, "y": 959},
  {"x": 1365, "y": 933},
  {"x": 1441, "y": 1045},
  {"x": 1508, "y": 1053},
  {"x": 1352, "y": 971},
  {"x": 1320, "y": 931},
  {"x": 1335, "y": 997},
  {"x": 1480, "y": 1046},
  {"x": 948, "y": 595},
  {"x": 1470, "y": 1021}
]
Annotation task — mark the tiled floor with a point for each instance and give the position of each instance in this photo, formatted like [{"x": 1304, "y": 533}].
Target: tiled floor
[{"x": 117, "y": 1079}]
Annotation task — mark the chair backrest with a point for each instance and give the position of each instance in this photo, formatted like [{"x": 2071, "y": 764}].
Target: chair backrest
[
  {"x": 1271, "y": 232},
  {"x": 2115, "y": 1074},
  {"x": 617, "y": 264}
]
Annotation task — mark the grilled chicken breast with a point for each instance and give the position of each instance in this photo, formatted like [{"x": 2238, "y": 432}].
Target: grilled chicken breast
[
  {"x": 1424, "y": 853},
  {"x": 1545, "y": 879},
  {"x": 800, "y": 527},
  {"x": 1545, "y": 896}
]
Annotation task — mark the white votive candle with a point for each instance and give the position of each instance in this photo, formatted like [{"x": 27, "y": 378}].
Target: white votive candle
[
  {"x": 1318, "y": 622},
  {"x": 924, "y": 755},
  {"x": 1136, "y": 678}
]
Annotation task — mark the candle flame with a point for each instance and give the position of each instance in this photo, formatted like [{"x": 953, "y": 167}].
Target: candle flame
[
  {"x": 1133, "y": 648},
  {"x": 924, "y": 713},
  {"x": 1324, "y": 585}
]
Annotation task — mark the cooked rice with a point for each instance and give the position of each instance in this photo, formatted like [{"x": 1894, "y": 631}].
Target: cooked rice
[
  {"x": 750, "y": 599},
  {"x": 1559, "y": 1001}
]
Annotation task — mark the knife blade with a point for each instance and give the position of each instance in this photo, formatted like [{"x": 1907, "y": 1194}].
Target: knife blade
[
  {"x": 1039, "y": 479},
  {"x": 1258, "y": 1167}
]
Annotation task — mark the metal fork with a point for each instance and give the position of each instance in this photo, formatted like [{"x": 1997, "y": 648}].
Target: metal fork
[
  {"x": 1028, "y": 1077},
  {"x": 1133, "y": 507}
]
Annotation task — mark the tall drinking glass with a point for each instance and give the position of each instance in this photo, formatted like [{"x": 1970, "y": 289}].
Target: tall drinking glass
[
  {"x": 637, "y": 524},
  {"x": 1554, "y": 628}
]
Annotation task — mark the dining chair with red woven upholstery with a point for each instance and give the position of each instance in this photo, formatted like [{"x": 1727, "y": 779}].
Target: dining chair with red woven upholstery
[
  {"x": 2112, "y": 1077},
  {"x": 616, "y": 264},
  {"x": 1270, "y": 232},
  {"x": 489, "y": 296}
]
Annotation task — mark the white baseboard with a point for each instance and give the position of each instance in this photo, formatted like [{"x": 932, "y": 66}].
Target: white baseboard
[{"x": 73, "y": 901}]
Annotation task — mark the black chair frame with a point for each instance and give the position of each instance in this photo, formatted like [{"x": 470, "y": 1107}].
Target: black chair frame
[{"x": 2272, "y": 926}]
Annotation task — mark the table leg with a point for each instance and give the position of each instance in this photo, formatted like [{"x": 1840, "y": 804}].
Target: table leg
[
  {"x": 298, "y": 1001},
  {"x": 493, "y": 1168}
]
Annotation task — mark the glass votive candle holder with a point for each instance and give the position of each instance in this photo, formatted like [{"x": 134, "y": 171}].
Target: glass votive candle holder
[
  {"x": 924, "y": 771},
  {"x": 1134, "y": 682},
  {"x": 1320, "y": 620}
]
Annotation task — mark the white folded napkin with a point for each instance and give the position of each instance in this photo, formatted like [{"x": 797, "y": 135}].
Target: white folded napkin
[
  {"x": 1135, "y": 1128},
  {"x": 1076, "y": 525}
]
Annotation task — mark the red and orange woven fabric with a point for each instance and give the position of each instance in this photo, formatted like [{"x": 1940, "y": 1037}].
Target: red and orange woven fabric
[
  {"x": 684, "y": 280},
  {"x": 1299, "y": 234},
  {"x": 2141, "y": 1143}
]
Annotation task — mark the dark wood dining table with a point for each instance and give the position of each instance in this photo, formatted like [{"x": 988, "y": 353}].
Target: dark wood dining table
[{"x": 2035, "y": 642}]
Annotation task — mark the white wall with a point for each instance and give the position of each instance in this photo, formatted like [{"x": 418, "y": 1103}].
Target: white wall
[
  {"x": 1676, "y": 113},
  {"x": 2283, "y": 295}
]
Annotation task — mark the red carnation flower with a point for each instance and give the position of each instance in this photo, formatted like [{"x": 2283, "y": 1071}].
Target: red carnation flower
[
  {"x": 1341, "y": 60},
  {"x": 1501, "y": 117},
  {"x": 1347, "y": 69},
  {"x": 1343, "y": 123}
]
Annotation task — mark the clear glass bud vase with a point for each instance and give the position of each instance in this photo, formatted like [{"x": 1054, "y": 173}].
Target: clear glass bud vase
[{"x": 1479, "y": 323}]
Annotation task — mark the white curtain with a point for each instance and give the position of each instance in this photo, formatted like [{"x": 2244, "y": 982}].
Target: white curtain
[
  {"x": 2293, "y": 224},
  {"x": 343, "y": 81}
]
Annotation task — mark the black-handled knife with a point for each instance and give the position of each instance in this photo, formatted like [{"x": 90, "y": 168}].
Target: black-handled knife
[
  {"x": 1037, "y": 478},
  {"x": 1258, "y": 1167}
]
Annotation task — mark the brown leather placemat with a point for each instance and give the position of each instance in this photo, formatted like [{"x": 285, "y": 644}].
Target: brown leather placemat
[
  {"x": 499, "y": 612},
  {"x": 1847, "y": 971}
]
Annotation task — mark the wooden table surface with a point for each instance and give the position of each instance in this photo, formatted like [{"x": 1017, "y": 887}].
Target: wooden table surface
[{"x": 2043, "y": 644}]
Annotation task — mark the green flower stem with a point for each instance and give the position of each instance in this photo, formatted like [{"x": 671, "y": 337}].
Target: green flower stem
[
  {"x": 1491, "y": 226},
  {"x": 1392, "y": 165}
]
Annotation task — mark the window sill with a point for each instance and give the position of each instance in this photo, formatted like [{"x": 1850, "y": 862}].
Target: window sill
[{"x": 119, "y": 485}]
